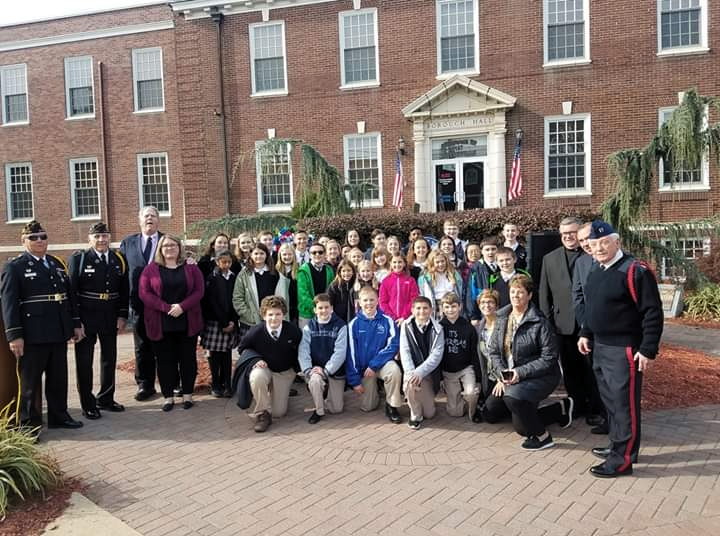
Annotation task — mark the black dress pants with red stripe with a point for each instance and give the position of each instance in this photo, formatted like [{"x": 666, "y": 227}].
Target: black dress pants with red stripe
[{"x": 620, "y": 385}]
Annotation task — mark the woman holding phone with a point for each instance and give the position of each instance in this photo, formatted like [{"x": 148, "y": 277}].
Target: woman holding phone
[{"x": 524, "y": 354}]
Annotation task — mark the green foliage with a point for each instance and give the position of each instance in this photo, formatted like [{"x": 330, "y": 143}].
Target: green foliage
[
  {"x": 681, "y": 142},
  {"x": 704, "y": 304},
  {"x": 233, "y": 225},
  {"x": 474, "y": 224},
  {"x": 321, "y": 191},
  {"x": 24, "y": 469}
]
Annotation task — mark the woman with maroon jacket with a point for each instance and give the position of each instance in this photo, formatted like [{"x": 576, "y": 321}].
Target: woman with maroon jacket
[{"x": 171, "y": 291}]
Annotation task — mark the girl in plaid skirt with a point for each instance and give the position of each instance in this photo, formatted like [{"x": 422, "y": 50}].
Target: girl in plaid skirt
[{"x": 221, "y": 333}]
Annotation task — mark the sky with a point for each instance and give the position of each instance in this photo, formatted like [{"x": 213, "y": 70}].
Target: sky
[{"x": 15, "y": 11}]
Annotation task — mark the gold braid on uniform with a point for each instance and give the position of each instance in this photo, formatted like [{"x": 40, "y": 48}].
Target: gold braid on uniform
[
  {"x": 59, "y": 261},
  {"x": 123, "y": 264}
]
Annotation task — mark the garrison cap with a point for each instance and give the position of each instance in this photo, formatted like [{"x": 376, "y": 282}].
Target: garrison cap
[
  {"x": 600, "y": 229},
  {"x": 99, "y": 228},
  {"x": 32, "y": 227}
]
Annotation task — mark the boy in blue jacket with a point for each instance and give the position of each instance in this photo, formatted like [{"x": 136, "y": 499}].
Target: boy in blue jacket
[
  {"x": 373, "y": 342},
  {"x": 322, "y": 358}
]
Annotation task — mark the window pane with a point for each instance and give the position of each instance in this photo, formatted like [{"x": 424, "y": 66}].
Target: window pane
[
  {"x": 268, "y": 58},
  {"x": 680, "y": 23},
  {"x": 148, "y": 77},
  {"x": 269, "y": 74},
  {"x": 566, "y": 155},
  {"x": 86, "y": 189},
  {"x": 566, "y": 41},
  {"x": 457, "y": 35},
  {"x": 20, "y": 190},
  {"x": 363, "y": 168},
  {"x": 275, "y": 181},
  {"x": 150, "y": 94},
  {"x": 81, "y": 101},
  {"x": 359, "y": 47},
  {"x": 78, "y": 78},
  {"x": 14, "y": 93},
  {"x": 15, "y": 108},
  {"x": 155, "y": 182}
]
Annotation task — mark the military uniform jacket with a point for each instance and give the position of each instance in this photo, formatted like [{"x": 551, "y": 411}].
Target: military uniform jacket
[
  {"x": 102, "y": 290},
  {"x": 37, "y": 302}
]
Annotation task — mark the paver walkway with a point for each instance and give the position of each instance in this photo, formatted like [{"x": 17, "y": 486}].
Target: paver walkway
[{"x": 205, "y": 472}]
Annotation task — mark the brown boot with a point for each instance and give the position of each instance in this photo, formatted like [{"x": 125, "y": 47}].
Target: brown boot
[{"x": 264, "y": 420}]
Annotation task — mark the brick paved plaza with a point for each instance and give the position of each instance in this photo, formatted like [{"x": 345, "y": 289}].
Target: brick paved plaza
[{"x": 205, "y": 472}]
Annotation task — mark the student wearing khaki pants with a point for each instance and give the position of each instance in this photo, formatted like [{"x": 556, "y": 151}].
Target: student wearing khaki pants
[{"x": 422, "y": 342}]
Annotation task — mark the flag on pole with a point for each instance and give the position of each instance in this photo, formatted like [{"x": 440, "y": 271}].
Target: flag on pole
[
  {"x": 397, "y": 199},
  {"x": 516, "y": 182}
]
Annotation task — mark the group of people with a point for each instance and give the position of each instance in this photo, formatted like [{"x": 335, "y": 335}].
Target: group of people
[{"x": 389, "y": 321}]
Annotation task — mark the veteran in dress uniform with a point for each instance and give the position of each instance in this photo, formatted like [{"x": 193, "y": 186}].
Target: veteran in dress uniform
[
  {"x": 99, "y": 279},
  {"x": 37, "y": 308}
]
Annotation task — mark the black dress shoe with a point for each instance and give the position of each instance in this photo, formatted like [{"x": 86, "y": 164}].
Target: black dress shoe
[
  {"x": 603, "y": 471},
  {"x": 477, "y": 417},
  {"x": 601, "y": 452},
  {"x": 113, "y": 406},
  {"x": 595, "y": 420},
  {"x": 67, "y": 423},
  {"x": 92, "y": 414},
  {"x": 293, "y": 392},
  {"x": 144, "y": 394},
  {"x": 392, "y": 414},
  {"x": 600, "y": 430},
  {"x": 187, "y": 404},
  {"x": 315, "y": 418},
  {"x": 167, "y": 406}
]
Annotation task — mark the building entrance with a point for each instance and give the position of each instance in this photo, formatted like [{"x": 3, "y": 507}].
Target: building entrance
[{"x": 459, "y": 166}]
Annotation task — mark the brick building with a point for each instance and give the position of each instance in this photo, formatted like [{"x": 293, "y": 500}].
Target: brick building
[{"x": 181, "y": 96}]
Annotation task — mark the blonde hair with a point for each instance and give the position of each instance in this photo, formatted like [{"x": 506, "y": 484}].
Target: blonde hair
[
  {"x": 376, "y": 253},
  {"x": 360, "y": 284},
  {"x": 280, "y": 265},
  {"x": 160, "y": 258},
  {"x": 238, "y": 252},
  {"x": 450, "y": 272}
]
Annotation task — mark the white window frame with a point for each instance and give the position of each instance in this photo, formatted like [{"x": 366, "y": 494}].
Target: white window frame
[
  {"x": 68, "y": 112},
  {"x": 251, "y": 33},
  {"x": 664, "y": 261},
  {"x": 704, "y": 184},
  {"x": 71, "y": 164},
  {"x": 135, "y": 52},
  {"x": 258, "y": 180},
  {"x": 700, "y": 48},
  {"x": 9, "y": 165},
  {"x": 372, "y": 203},
  {"x": 586, "y": 42},
  {"x": 341, "y": 30},
  {"x": 3, "y": 70},
  {"x": 141, "y": 195},
  {"x": 575, "y": 192},
  {"x": 438, "y": 42}
]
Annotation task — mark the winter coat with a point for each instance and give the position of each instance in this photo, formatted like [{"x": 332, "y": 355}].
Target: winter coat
[
  {"x": 372, "y": 342},
  {"x": 397, "y": 292},
  {"x": 245, "y": 296},
  {"x": 306, "y": 290}
]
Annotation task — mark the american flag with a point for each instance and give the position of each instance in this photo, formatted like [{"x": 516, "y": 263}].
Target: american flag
[
  {"x": 516, "y": 182},
  {"x": 397, "y": 199}
]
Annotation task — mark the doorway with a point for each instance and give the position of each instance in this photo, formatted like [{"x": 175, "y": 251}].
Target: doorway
[{"x": 459, "y": 185}]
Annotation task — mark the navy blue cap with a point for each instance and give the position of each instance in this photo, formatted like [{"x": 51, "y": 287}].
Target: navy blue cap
[{"x": 600, "y": 229}]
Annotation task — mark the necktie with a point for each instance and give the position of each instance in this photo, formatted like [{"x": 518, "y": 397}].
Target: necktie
[
  {"x": 148, "y": 250},
  {"x": 274, "y": 334},
  {"x": 103, "y": 259}
]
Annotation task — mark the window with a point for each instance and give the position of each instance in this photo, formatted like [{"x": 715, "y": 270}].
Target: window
[
  {"x": 672, "y": 178},
  {"x": 682, "y": 26},
  {"x": 85, "y": 188},
  {"x": 154, "y": 181},
  {"x": 457, "y": 31},
  {"x": 13, "y": 79},
  {"x": 359, "y": 47},
  {"x": 688, "y": 248},
  {"x": 567, "y": 155},
  {"x": 79, "y": 87},
  {"x": 362, "y": 168},
  {"x": 567, "y": 35},
  {"x": 274, "y": 176},
  {"x": 148, "y": 79},
  {"x": 18, "y": 183},
  {"x": 268, "y": 65}
]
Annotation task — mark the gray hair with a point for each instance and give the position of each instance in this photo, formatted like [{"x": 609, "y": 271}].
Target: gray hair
[
  {"x": 148, "y": 207},
  {"x": 571, "y": 220}
]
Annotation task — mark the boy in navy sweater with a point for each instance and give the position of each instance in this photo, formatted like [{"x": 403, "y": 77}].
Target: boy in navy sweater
[
  {"x": 373, "y": 343},
  {"x": 322, "y": 358}
]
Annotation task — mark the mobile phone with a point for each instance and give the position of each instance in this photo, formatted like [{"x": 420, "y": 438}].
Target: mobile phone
[{"x": 507, "y": 375}]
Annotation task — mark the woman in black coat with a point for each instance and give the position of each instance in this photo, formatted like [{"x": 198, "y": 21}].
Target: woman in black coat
[
  {"x": 524, "y": 353},
  {"x": 219, "y": 242}
]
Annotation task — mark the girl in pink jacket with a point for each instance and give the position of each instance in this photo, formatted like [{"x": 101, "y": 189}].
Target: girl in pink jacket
[{"x": 398, "y": 290}]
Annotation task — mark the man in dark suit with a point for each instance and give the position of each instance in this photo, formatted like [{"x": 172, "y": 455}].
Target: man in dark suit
[
  {"x": 139, "y": 250},
  {"x": 99, "y": 279},
  {"x": 556, "y": 303},
  {"x": 39, "y": 314}
]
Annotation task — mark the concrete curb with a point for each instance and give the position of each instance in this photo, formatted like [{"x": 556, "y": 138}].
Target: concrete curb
[{"x": 84, "y": 518}]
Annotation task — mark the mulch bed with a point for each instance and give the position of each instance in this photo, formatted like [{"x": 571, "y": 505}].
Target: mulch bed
[{"x": 29, "y": 518}]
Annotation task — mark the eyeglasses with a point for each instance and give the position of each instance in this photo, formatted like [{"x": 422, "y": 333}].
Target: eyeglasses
[
  {"x": 36, "y": 236},
  {"x": 170, "y": 246},
  {"x": 317, "y": 252}
]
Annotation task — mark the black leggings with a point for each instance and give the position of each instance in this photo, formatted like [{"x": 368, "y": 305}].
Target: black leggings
[
  {"x": 220, "y": 366},
  {"x": 527, "y": 419},
  {"x": 176, "y": 350}
]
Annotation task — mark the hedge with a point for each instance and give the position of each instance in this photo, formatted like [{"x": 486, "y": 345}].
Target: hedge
[{"x": 474, "y": 224}]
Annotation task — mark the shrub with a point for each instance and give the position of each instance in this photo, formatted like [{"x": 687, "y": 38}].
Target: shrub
[
  {"x": 709, "y": 265},
  {"x": 704, "y": 304},
  {"x": 24, "y": 469},
  {"x": 474, "y": 224}
]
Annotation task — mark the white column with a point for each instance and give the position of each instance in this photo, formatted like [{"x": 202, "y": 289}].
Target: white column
[
  {"x": 423, "y": 177},
  {"x": 495, "y": 178}
]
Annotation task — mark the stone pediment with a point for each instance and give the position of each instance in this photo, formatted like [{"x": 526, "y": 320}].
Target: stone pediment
[{"x": 458, "y": 95}]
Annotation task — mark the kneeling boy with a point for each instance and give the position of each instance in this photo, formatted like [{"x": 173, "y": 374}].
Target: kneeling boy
[
  {"x": 322, "y": 358},
  {"x": 372, "y": 345},
  {"x": 276, "y": 341},
  {"x": 421, "y": 349}
]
